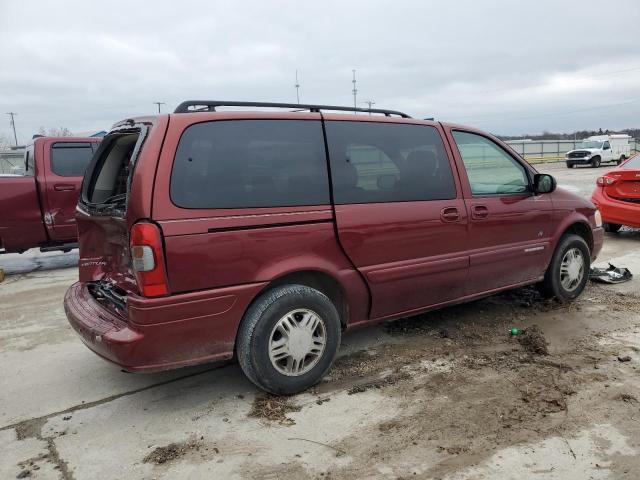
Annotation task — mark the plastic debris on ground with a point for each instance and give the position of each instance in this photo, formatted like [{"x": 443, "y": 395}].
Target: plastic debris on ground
[{"x": 610, "y": 275}]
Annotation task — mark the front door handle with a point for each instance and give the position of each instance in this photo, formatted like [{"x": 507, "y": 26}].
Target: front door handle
[
  {"x": 450, "y": 214},
  {"x": 479, "y": 211},
  {"x": 63, "y": 187}
]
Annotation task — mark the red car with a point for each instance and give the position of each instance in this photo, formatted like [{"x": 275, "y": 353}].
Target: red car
[
  {"x": 38, "y": 208},
  {"x": 618, "y": 195},
  {"x": 263, "y": 235}
]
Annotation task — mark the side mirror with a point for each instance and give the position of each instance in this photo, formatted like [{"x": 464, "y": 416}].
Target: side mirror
[
  {"x": 606, "y": 147},
  {"x": 543, "y": 183}
]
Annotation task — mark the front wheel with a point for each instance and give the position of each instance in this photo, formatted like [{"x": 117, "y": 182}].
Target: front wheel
[
  {"x": 288, "y": 339},
  {"x": 595, "y": 162},
  {"x": 568, "y": 271},
  {"x": 570, "y": 165}
]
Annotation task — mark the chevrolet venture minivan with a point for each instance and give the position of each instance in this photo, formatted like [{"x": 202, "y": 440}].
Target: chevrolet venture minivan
[{"x": 264, "y": 234}]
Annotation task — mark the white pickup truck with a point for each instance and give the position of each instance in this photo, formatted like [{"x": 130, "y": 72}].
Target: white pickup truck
[{"x": 598, "y": 149}]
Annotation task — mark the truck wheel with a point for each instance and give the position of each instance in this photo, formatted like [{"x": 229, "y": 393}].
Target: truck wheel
[
  {"x": 570, "y": 165},
  {"x": 568, "y": 271},
  {"x": 621, "y": 159},
  {"x": 595, "y": 162},
  {"x": 611, "y": 227},
  {"x": 288, "y": 339}
]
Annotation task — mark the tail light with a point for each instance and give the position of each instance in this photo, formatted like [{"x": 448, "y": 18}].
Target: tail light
[
  {"x": 147, "y": 256},
  {"x": 606, "y": 181}
]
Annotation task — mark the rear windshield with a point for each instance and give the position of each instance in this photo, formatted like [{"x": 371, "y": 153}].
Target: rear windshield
[
  {"x": 70, "y": 159},
  {"x": 633, "y": 163},
  {"x": 108, "y": 179},
  {"x": 250, "y": 163}
]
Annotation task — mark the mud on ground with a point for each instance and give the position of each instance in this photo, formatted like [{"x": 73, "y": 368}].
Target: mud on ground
[{"x": 465, "y": 388}]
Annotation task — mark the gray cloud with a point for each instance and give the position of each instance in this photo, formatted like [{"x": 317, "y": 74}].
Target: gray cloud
[{"x": 507, "y": 67}]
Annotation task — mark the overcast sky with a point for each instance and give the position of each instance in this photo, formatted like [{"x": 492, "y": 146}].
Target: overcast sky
[{"x": 503, "y": 66}]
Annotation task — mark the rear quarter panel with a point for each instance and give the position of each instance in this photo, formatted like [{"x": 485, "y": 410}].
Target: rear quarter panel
[{"x": 216, "y": 248}]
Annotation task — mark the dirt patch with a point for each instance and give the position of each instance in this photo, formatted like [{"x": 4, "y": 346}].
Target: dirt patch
[
  {"x": 534, "y": 341},
  {"x": 273, "y": 409},
  {"x": 385, "y": 381},
  {"x": 173, "y": 451},
  {"x": 466, "y": 388},
  {"x": 30, "y": 428},
  {"x": 627, "y": 398}
]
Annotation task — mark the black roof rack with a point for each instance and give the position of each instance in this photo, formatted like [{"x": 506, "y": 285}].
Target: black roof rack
[{"x": 211, "y": 105}]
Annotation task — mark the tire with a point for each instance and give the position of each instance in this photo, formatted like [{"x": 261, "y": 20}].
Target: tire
[
  {"x": 611, "y": 227},
  {"x": 570, "y": 165},
  {"x": 271, "y": 314},
  {"x": 595, "y": 162},
  {"x": 621, "y": 159},
  {"x": 555, "y": 281}
]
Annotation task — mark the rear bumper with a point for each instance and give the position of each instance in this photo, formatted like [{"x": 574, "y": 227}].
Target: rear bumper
[
  {"x": 616, "y": 211},
  {"x": 163, "y": 333}
]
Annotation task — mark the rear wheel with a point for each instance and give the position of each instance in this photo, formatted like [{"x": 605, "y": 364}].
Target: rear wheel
[
  {"x": 288, "y": 339},
  {"x": 568, "y": 271},
  {"x": 595, "y": 162},
  {"x": 611, "y": 227},
  {"x": 621, "y": 159}
]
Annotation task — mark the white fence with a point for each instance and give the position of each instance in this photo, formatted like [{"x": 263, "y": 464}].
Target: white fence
[{"x": 553, "y": 150}]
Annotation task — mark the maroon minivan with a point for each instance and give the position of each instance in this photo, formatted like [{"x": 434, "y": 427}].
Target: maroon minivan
[{"x": 206, "y": 234}]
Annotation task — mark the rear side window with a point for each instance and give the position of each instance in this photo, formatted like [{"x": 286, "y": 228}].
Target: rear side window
[
  {"x": 490, "y": 169},
  {"x": 633, "y": 163},
  {"x": 384, "y": 162},
  {"x": 70, "y": 159},
  {"x": 107, "y": 181},
  {"x": 250, "y": 163}
]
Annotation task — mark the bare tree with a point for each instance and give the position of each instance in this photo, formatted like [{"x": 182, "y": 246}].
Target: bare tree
[
  {"x": 5, "y": 142},
  {"x": 55, "y": 132}
]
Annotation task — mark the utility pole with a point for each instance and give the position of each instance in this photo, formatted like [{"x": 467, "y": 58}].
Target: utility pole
[
  {"x": 297, "y": 85},
  {"x": 13, "y": 124},
  {"x": 158, "y": 104},
  {"x": 354, "y": 91},
  {"x": 370, "y": 103}
]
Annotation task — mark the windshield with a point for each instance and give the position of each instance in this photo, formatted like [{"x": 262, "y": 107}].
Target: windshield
[{"x": 591, "y": 144}]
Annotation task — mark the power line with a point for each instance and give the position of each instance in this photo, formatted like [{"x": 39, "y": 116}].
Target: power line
[
  {"x": 158, "y": 104},
  {"x": 297, "y": 85},
  {"x": 355, "y": 90},
  {"x": 549, "y": 114},
  {"x": 370, "y": 103},
  {"x": 13, "y": 124},
  {"x": 531, "y": 87}
]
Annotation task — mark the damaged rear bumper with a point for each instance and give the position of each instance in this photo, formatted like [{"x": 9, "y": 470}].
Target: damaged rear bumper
[
  {"x": 161, "y": 333},
  {"x": 102, "y": 331}
]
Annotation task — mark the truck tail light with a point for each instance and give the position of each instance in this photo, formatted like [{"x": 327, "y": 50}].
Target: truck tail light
[
  {"x": 147, "y": 256},
  {"x": 606, "y": 181}
]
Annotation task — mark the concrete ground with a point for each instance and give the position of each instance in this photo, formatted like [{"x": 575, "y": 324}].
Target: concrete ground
[{"x": 447, "y": 395}]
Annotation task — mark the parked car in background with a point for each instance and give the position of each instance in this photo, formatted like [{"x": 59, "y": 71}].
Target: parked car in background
[
  {"x": 264, "y": 235},
  {"x": 617, "y": 195},
  {"x": 600, "y": 148},
  {"x": 37, "y": 208}
]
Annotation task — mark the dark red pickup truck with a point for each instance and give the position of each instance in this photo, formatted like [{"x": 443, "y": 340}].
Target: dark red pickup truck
[{"x": 37, "y": 208}]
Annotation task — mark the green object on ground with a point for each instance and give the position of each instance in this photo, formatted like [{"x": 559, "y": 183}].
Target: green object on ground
[{"x": 514, "y": 331}]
